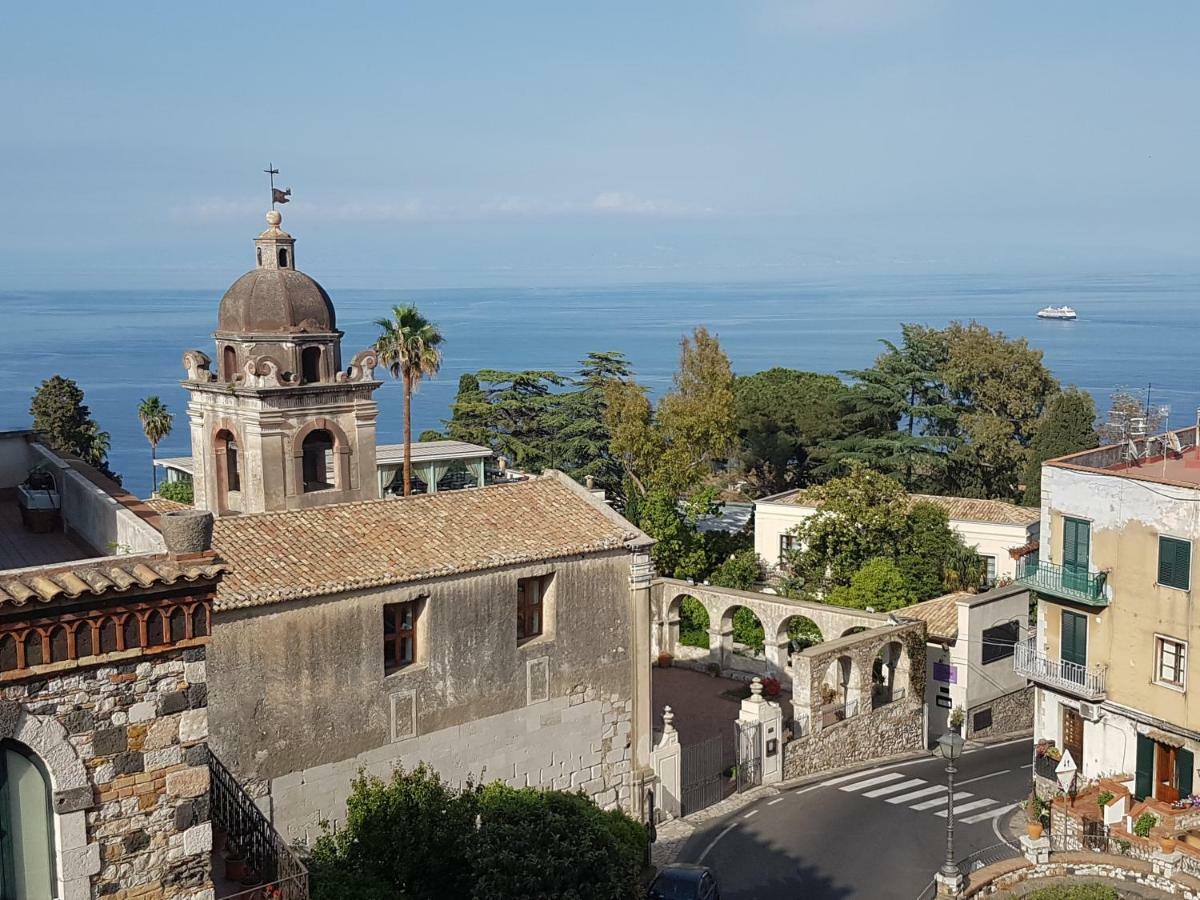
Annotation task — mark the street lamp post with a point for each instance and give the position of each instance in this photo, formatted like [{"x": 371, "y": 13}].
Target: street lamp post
[{"x": 949, "y": 879}]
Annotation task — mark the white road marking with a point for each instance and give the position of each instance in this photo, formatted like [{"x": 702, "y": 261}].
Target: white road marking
[
  {"x": 992, "y": 814},
  {"x": 892, "y": 788},
  {"x": 753, "y": 812},
  {"x": 878, "y": 779},
  {"x": 982, "y": 777},
  {"x": 930, "y": 804},
  {"x": 713, "y": 842},
  {"x": 841, "y": 778},
  {"x": 776, "y": 800},
  {"x": 1030, "y": 766},
  {"x": 913, "y": 795},
  {"x": 967, "y": 807}
]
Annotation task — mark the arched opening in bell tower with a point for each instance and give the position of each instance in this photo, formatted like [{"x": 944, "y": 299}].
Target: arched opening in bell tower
[
  {"x": 228, "y": 475},
  {"x": 310, "y": 364},
  {"x": 228, "y": 363},
  {"x": 283, "y": 258},
  {"x": 317, "y": 458}
]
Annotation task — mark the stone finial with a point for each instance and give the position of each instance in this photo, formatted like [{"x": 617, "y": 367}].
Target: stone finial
[
  {"x": 756, "y": 688},
  {"x": 668, "y": 720},
  {"x": 274, "y": 218}
]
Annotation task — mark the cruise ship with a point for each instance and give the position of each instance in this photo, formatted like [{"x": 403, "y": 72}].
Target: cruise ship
[{"x": 1057, "y": 312}]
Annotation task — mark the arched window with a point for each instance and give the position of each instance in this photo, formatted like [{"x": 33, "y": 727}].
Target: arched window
[
  {"x": 310, "y": 364},
  {"x": 229, "y": 363},
  {"x": 318, "y": 461},
  {"x": 260, "y": 256},
  {"x": 228, "y": 477},
  {"x": 283, "y": 264},
  {"x": 27, "y": 825}
]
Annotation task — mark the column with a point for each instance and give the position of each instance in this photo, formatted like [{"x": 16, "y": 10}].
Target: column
[
  {"x": 667, "y": 757},
  {"x": 769, "y": 716}
]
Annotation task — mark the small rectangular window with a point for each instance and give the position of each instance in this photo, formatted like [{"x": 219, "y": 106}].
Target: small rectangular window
[
  {"x": 989, "y": 570},
  {"x": 1170, "y": 662},
  {"x": 1175, "y": 563},
  {"x": 999, "y": 642},
  {"x": 787, "y": 543},
  {"x": 531, "y": 592},
  {"x": 982, "y": 720},
  {"x": 399, "y": 635}
]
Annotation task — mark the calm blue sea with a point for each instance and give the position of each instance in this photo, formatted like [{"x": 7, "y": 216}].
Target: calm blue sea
[{"x": 124, "y": 345}]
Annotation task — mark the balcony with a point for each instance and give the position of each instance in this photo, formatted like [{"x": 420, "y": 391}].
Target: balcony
[
  {"x": 1071, "y": 678},
  {"x": 1063, "y": 582}
]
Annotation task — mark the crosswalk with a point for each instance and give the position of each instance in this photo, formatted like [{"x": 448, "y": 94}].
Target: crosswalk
[{"x": 918, "y": 794}]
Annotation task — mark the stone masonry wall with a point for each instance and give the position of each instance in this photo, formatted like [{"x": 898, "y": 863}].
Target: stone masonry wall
[
  {"x": 581, "y": 741},
  {"x": 125, "y": 747},
  {"x": 1011, "y": 714},
  {"x": 887, "y": 731}
]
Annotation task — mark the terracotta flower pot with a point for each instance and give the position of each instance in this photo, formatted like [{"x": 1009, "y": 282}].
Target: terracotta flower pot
[
  {"x": 235, "y": 868},
  {"x": 1167, "y": 844},
  {"x": 1034, "y": 829}
]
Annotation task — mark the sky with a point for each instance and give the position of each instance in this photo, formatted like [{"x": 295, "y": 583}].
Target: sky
[{"x": 535, "y": 143}]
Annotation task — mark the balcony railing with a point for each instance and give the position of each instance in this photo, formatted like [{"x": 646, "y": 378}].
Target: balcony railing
[
  {"x": 1082, "y": 681},
  {"x": 1065, "y": 582}
]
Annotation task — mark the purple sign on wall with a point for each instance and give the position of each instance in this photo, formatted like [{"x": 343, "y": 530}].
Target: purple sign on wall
[{"x": 945, "y": 672}]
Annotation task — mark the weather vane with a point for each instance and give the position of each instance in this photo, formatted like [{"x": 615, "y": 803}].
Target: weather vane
[{"x": 277, "y": 195}]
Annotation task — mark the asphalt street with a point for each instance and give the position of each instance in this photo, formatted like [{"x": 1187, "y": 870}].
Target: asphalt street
[{"x": 880, "y": 833}]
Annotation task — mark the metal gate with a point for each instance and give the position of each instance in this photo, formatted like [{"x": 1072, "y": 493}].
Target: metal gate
[
  {"x": 749, "y": 755},
  {"x": 704, "y": 771}
]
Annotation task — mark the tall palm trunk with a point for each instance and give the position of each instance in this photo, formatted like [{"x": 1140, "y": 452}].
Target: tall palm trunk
[
  {"x": 153, "y": 467},
  {"x": 407, "y": 434}
]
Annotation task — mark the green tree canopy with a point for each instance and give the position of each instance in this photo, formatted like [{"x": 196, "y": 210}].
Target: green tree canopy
[
  {"x": 416, "y": 838},
  {"x": 866, "y": 516},
  {"x": 785, "y": 419},
  {"x": 64, "y": 421},
  {"x": 1067, "y": 426},
  {"x": 878, "y": 585}
]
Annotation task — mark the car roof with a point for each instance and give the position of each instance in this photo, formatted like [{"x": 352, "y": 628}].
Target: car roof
[{"x": 683, "y": 872}]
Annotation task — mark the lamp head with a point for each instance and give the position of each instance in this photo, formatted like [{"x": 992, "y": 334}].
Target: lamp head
[{"x": 950, "y": 745}]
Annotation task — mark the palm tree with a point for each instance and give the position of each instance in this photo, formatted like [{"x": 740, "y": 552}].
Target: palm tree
[
  {"x": 408, "y": 345},
  {"x": 156, "y": 423}
]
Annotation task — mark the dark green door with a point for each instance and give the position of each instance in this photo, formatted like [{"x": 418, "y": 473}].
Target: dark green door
[
  {"x": 1077, "y": 539},
  {"x": 1074, "y": 646}
]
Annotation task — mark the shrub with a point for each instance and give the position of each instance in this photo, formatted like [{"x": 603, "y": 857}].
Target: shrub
[
  {"x": 770, "y": 687},
  {"x": 1144, "y": 823},
  {"x": 693, "y": 623},
  {"x": 1089, "y": 891},
  {"x": 179, "y": 491}
]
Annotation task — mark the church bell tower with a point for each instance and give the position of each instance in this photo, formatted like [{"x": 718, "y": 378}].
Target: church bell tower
[{"x": 279, "y": 424}]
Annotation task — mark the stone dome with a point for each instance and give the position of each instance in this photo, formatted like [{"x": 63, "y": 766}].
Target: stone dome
[{"x": 276, "y": 301}]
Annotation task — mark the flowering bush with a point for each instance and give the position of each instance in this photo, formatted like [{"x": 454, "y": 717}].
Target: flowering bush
[{"x": 770, "y": 688}]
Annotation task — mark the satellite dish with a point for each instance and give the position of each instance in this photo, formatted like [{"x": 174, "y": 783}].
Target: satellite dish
[
  {"x": 1173, "y": 442},
  {"x": 1131, "y": 449}
]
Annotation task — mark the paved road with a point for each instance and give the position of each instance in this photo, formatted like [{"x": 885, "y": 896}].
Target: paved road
[{"x": 877, "y": 834}]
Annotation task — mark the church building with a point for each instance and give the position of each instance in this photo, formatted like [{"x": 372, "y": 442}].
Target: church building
[{"x": 496, "y": 633}]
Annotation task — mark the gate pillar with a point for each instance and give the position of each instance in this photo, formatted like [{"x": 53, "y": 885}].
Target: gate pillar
[
  {"x": 756, "y": 709},
  {"x": 667, "y": 759}
]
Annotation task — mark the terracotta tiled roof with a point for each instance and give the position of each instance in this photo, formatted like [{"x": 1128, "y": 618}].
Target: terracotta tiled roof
[
  {"x": 962, "y": 509},
  {"x": 162, "y": 505},
  {"x": 351, "y": 546},
  {"x": 96, "y": 577},
  {"x": 940, "y": 614}
]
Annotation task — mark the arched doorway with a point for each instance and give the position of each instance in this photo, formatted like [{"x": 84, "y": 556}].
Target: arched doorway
[
  {"x": 687, "y": 625},
  {"x": 889, "y": 674},
  {"x": 317, "y": 459},
  {"x": 27, "y": 856},
  {"x": 228, "y": 471}
]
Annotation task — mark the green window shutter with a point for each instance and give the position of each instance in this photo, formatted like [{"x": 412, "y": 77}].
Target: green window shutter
[
  {"x": 1174, "y": 562},
  {"x": 1144, "y": 780},
  {"x": 1184, "y": 766}
]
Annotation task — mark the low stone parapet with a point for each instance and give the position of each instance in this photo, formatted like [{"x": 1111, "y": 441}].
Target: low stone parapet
[{"x": 1012, "y": 873}]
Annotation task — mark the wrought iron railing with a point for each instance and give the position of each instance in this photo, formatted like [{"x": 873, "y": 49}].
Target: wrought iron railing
[
  {"x": 235, "y": 813},
  {"x": 833, "y": 713},
  {"x": 1083, "y": 681},
  {"x": 1066, "y": 582}
]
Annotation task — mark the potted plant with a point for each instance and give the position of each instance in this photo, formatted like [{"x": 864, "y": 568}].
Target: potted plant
[
  {"x": 957, "y": 717},
  {"x": 828, "y": 694},
  {"x": 1144, "y": 824},
  {"x": 1105, "y": 798},
  {"x": 1033, "y": 816},
  {"x": 770, "y": 687},
  {"x": 664, "y": 660},
  {"x": 1168, "y": 843},
  {"x": 235, "y": 862}
]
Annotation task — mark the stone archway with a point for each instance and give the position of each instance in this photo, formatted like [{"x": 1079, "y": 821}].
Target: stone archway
[
  {"x": 687, "y": 624},
  {"x": 889, "y": 674}
]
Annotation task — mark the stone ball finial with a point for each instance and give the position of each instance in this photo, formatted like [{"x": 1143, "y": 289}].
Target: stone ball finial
[
  {"x": 756, "y": 687},
  {"x": 274, "y": 218},
  {"x": 668, "y": 719}
]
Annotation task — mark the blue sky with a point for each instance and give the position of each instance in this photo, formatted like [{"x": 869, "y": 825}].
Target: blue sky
[{"x": 473, "y": 143}]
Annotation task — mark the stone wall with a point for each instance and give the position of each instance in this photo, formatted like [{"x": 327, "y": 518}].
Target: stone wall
[
  {"x": 1011, "y": 714},
  {"x": 1012, "y": 875},
  {"x": 576, "y": 742},
  {"x": 888, "y": 731},
  {"x": 125, "y": 748}
]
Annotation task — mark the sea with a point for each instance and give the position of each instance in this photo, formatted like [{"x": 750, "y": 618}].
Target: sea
[{"x": 1133, "y": 331}]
